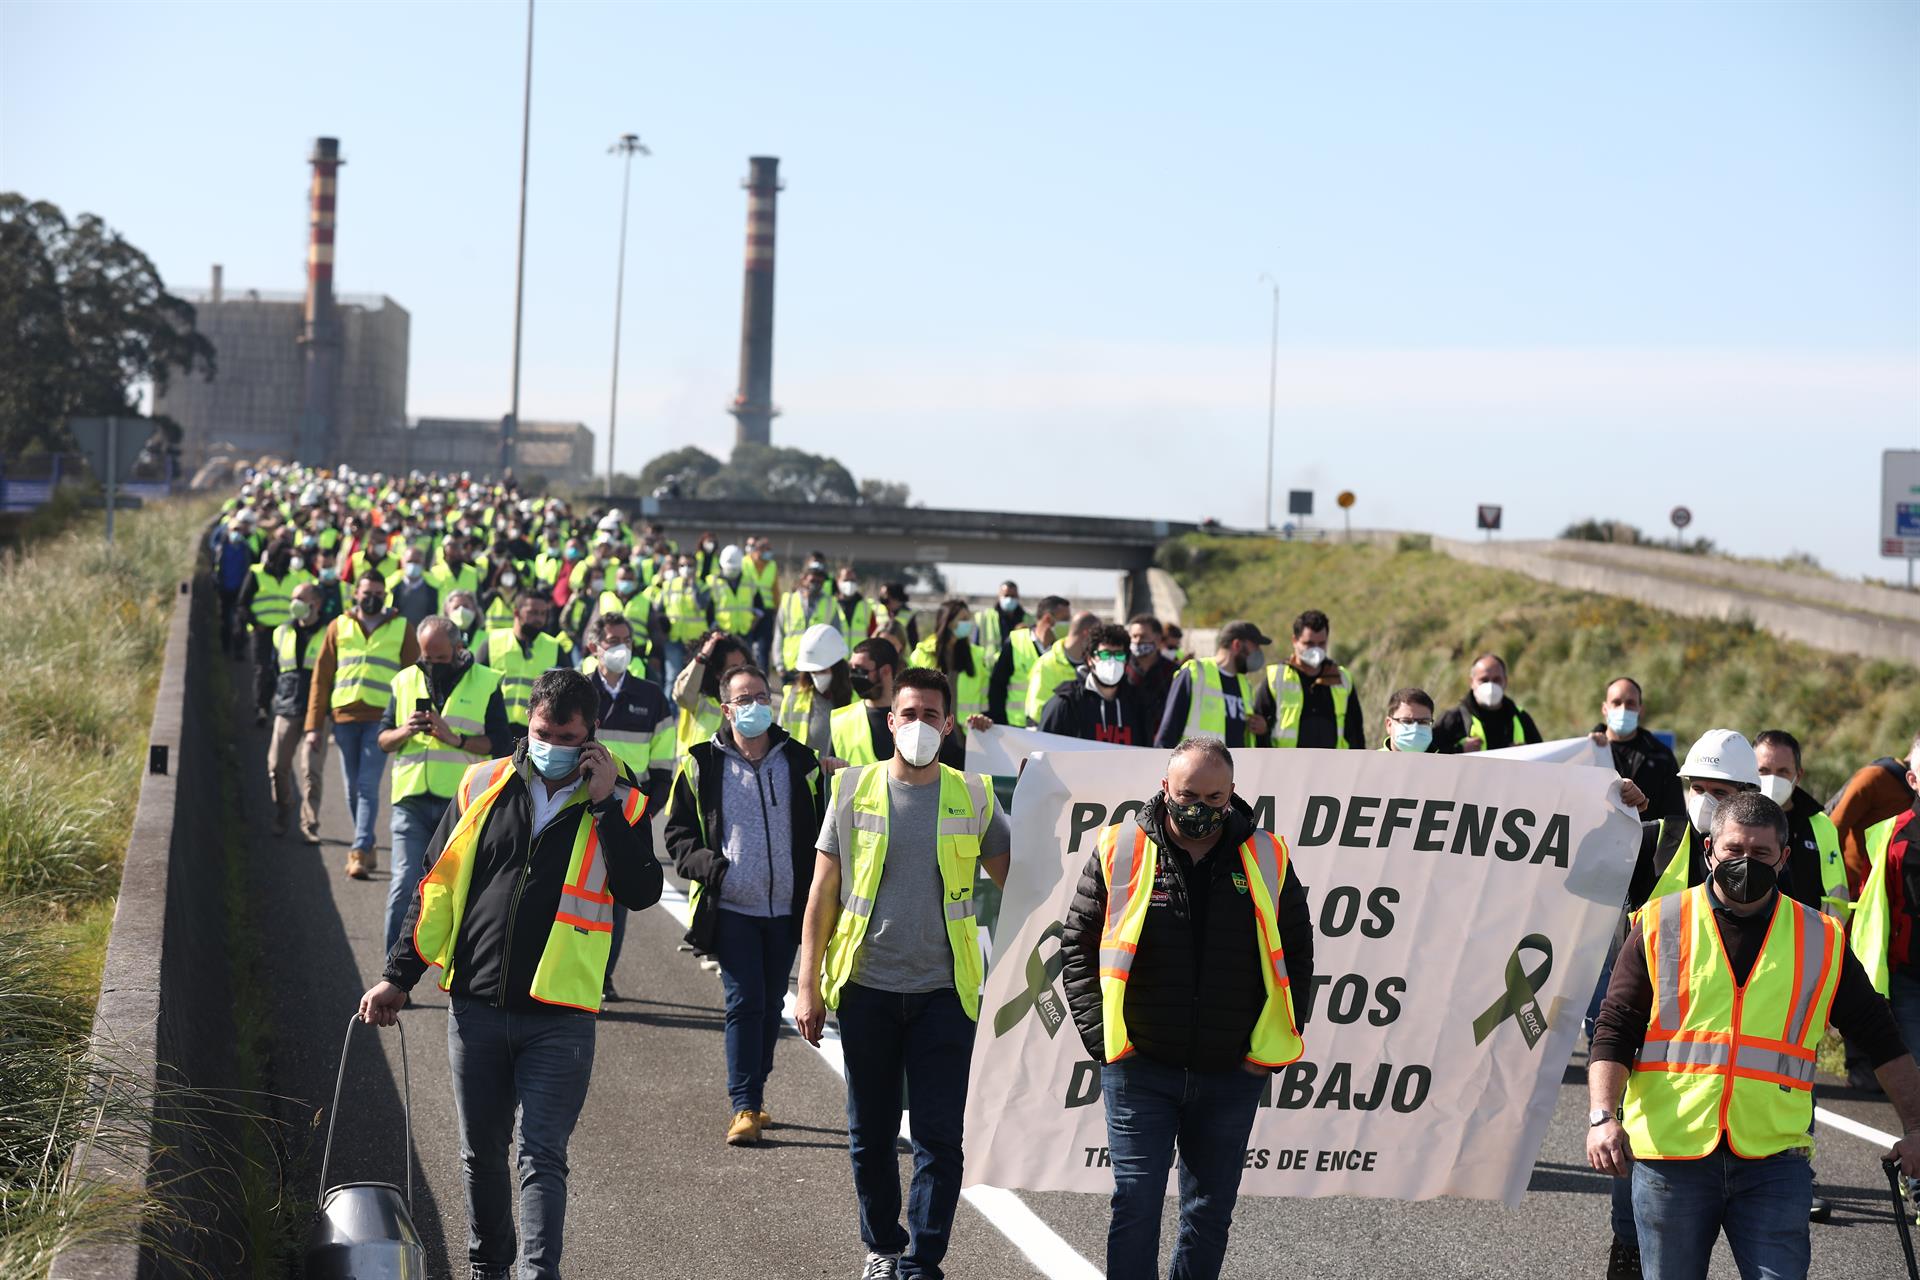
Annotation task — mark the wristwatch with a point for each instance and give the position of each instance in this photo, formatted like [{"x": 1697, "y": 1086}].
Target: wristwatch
[{"x": 1597, "y": 1117}]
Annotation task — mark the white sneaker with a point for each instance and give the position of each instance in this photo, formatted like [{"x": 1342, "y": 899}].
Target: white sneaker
[
  {"x": 713, "y": 966},
  {"x": 881, "y": 1266}
]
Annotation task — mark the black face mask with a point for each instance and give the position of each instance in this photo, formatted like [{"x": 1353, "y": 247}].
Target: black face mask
[
  {"x": 1195, "y": 821},
  {"x": 372, "y": 604},
  {"x": 441, "y": 677},
  {"x": 862, "y": 684},
  {"x": 1744, "y": 880}
]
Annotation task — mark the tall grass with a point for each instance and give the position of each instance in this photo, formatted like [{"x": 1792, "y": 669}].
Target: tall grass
[
  {"x": 82, "y": 632},
  {"x": 1411, "y": 616}
]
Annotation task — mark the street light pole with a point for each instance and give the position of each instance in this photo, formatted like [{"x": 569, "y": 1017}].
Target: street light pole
[
  {"x": 509, "y": 436},
  {"x": 1273, "y": 388},
  {"x": 628, "y": 146}
]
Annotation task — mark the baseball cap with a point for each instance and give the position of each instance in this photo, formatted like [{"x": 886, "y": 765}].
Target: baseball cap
[{"x": 1241, "y": 629}]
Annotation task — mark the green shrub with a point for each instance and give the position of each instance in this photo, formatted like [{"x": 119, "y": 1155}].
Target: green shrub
[{"x": 1404, "y": 616}]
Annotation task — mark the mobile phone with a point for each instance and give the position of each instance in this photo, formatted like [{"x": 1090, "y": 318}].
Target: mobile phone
[{"x": 422, "y": 704}]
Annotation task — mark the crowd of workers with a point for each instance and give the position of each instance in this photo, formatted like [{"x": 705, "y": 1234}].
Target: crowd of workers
[{"x": 534, "y": 683}]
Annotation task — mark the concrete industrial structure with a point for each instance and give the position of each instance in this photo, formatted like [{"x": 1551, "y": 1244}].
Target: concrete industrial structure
[
  {"x": 322, "y": 377},
  {"x": 753, "y": 406}
]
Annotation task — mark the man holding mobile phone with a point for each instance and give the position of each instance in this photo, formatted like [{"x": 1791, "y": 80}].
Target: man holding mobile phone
[
  {"x": 517, "y": 911},
  {"x": 454, "y": 716}
]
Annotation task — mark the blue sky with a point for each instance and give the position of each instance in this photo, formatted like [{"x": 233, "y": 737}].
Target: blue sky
[{"x": 1575, "y": 259}]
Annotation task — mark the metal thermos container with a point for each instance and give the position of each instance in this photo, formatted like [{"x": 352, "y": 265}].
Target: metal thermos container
[{"x": 364, "y": 1230}]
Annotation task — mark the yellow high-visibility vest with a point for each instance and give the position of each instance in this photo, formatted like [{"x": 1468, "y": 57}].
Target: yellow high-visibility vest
[
  {"x": 366, "y": 663},
  {"x": 796, "y": 617},
  {"x": 573, "y": 966},
  {"x": 1872, "y": 932},
  {"x": 424, "y": 765},
  {"x": 519, "y": 670},
  {"x": 1289, "y": 697},
  {"x": 1026, "y": 652},
  {"x": 852, "y": 735},
  {"x": 861, "y": 807},
  {"x": 732, "y": 605},
  {"x": 1128, "y": 859},
  {"x": 1207, "y": 699},
  {"x": 1720, "y": 1058},
  {"x": 272, "y": 597}
]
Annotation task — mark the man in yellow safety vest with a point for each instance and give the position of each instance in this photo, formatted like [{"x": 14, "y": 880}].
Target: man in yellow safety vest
[
  {"x": 1710, "y": 1028},
  {"x": 1486, "y": 719},
  {"x": 1019, "y": 651},
  {"x": 1214, "y": 697},
  {"x": 906, "y": 983},
  {"x": 1310, "y": 700},
  {"x": 360, "y": 654},
  {"x": 517, "y": 911},
  {"x": 446, "y": 713},
  {"x": 1189, "y": 972},
  {"x": 522, "y": 653}
]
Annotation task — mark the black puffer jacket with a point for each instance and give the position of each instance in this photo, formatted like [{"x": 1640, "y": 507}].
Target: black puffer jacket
[{"x": 1195, "y": 990}]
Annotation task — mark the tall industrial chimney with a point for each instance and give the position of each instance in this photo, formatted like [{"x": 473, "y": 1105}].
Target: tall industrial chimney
[
  {"x": 321, "y": 335},
  {"x": 753, "y": 405},
  {"x": 218, "y": 292}
]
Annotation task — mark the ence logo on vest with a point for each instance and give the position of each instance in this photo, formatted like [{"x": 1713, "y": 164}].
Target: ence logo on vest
[{"x": 1041, "y": 972}]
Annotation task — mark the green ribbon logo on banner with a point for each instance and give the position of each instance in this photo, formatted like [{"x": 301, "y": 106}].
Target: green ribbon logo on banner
[
  {"x": 1519, "y": 1002},
  {"x": 1039, "y": 993}
]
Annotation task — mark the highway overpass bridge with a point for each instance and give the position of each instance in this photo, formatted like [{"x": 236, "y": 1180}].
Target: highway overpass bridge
[{"x": 932, "y": 535}]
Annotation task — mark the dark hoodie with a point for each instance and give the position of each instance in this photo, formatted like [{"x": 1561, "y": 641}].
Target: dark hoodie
[
  {"x": 1195, "y": 990},
  {"x": 1646, "y": 762}
]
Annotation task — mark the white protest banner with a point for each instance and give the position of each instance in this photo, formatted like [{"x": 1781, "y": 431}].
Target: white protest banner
[
  {"x": 1458, "y": 908},
  {"x": 1000, "y": 750},
  {"x": 1581, "y": 750}
]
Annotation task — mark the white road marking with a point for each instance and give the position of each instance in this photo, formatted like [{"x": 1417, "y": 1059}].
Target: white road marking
[
  {"x": 1004, "y": 1211},
  {"x": 1847, "y": 1124}
]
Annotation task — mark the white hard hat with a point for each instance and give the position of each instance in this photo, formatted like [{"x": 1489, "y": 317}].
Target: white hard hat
[
  {"x": 820, "y": 648},
  {"x": 617, "y": 516},
  {"x": 731, "y": 559},
  {"x": 1724, "y": 755}
]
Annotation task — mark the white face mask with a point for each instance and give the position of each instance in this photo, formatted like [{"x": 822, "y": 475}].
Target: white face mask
[
  {"x": 1700, "y": 810},
  {"x": 297, "y": 563},
  {"x": 1312, "y": 656},
  {"x": 508, "y": 579},
  {"x": 462, "y": 616},
  {"x": 1110, "y": 671},
  {"x": 848, "y": 587},
  {"x": 616, "y": 658},
  {"x": 917, "y": 742},
  {"x": 822, "y": 680},
  {"x": 1489, "y": 693},
  {"x": 1777, "y": 788}
]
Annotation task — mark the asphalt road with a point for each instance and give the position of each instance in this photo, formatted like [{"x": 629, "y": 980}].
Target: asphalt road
[{"x": 656, "y": 1193}]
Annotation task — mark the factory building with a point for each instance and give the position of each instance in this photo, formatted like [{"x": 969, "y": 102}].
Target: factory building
[{"x": 322, "y": 378}]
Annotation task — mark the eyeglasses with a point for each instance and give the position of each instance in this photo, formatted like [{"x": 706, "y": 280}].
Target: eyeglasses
[
  {"x": 1426, "y": 720},
  {"x": 746, "y": 700},
  {"x": 1109, "y": 655}
]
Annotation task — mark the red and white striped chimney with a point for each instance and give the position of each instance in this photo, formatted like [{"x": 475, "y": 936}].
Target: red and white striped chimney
[
  {"x": 321, "y": 337},
  {"x": 753, "y": 405}
]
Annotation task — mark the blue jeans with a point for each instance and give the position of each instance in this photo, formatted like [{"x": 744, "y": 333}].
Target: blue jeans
[
  {"x": 613, "y": 951},
  {"x": 1681, "y": 1206},
  {"x": 362, "y": 763},
  {"x": 756, "y": 955},
  {"x": 539, "y": 1063},
  {"x": 414, "y": 822},
  {"x": 1151, "y": 1110},
  {"x": 928, "y": 1037},
  {"x": 674, "y": 657},
  {"x": 1903, "y": 991}
]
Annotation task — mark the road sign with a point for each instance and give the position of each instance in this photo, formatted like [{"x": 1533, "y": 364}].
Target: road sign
[
  {"x": 1681, "y": 517},
  {"x": 1900, "y": 503},
  {"x": 112, "y": 446},
  {"x": 1345, "y": 499},
  {"x": 1489, "y": 518},
  {"x": 1299, "y": 502}
]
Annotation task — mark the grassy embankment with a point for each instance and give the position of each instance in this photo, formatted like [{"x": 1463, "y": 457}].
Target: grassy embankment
[
  {"x": 82, "y": 634},
  {"x": 1417, "y": 617}
]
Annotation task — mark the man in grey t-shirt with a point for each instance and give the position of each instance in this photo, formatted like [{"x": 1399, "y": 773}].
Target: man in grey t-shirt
[{"x": 910, "y": 996}]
